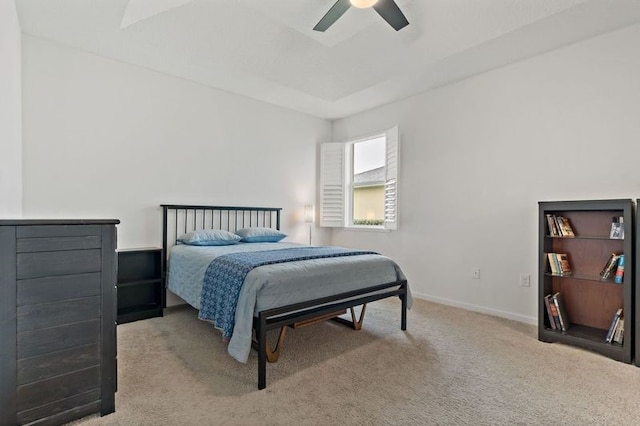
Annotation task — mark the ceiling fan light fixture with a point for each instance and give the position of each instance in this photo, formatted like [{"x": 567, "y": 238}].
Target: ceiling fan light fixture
[
  {"x": 363, "y": 3},
  {"x": 387, "y": 9}
]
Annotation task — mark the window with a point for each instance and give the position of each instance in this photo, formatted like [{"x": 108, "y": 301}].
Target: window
[
  {"x": 367, "y": 182},
  {"x": 358, "y": 182}
]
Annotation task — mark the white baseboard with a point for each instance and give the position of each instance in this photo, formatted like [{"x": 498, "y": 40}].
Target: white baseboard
[{"x": 476, "y": 308}]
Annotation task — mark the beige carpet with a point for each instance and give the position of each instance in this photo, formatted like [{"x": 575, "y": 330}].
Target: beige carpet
[{"x": 452, "y": 367}]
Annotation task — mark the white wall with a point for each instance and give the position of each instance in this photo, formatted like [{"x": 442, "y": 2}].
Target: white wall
[
  {"x": 477, "y": 156},
  {"x": 107, "y": 139},
  {"x": 10, "y": 112}
]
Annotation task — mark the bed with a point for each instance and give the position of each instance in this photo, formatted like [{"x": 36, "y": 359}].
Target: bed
[{"x": 282, "y": 284}]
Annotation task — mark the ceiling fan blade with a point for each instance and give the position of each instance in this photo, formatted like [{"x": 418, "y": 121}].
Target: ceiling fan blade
[
  {"x": 336, "y": 11},
  {"x": 391, "y": 13}
]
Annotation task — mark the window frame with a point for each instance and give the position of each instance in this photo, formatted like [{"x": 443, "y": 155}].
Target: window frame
[{"x": 336, "y": 182}]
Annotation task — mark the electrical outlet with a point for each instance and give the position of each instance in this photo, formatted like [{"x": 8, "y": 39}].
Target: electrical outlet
[
  {"x": 475, "y": 273},
  {"x": 525, "y": 280}
]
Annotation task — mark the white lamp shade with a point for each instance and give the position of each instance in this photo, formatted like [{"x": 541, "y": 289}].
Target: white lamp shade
[{"x": 309, "y": 213}]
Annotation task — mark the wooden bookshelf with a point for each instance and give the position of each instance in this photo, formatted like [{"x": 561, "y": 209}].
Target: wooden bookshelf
[{"x": 590, "y": 301}]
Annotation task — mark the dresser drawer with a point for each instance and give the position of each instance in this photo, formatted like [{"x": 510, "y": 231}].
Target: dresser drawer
[{"x": 45, "y": 264}]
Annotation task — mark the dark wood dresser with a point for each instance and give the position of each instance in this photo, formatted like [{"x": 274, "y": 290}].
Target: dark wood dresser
[{"x": 57, "y": 320}]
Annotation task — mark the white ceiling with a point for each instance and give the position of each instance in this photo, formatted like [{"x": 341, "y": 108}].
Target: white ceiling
[{"x": 267, "y": 50}]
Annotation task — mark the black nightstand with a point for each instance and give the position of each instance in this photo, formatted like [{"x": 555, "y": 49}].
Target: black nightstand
[{"x": 140, "y": 291}]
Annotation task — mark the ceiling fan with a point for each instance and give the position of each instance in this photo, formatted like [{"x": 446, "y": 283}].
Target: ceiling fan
[{"x": 388, "y": 9}]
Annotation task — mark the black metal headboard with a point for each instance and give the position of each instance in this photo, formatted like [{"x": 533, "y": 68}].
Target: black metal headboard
[{"x": 179, "y": 219}]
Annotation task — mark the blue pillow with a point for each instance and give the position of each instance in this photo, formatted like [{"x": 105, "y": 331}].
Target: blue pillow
[
  {"x": 260, "y": 235},
  {"x": 209, "y": 237}
]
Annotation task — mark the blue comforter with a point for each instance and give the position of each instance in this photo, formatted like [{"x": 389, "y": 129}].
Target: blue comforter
[{"x": 225, "y": 275}]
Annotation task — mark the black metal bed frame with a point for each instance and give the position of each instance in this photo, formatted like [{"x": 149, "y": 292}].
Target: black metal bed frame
[{"x": 191, "y": 217}]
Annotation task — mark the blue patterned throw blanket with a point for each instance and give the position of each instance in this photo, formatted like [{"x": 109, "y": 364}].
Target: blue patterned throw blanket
[{"x": 225, "y": 275}]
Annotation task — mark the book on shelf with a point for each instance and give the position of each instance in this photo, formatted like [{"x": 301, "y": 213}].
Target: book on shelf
[
  {"x": 551, "y": 222},
  {"x": 562, "y": 311},
  {"x": 555, "y": 315},
  {"x": 563, "y": 259},
  {"x": 610, "y": 267},
  {"x": 553, "y": 266},
  {"x": 558, "y": 221},
  {"x": 614, "y": 324},
  {"x": 559, "y": 263},
  {"x": 618, "y": 333},
  {"x": 617, "y": 228},
  {"x": 620, "y": 270},
  {"x": 547, "y": 304},
  {"x": 565, "y": 227},
  {"x": 559, "y": 226}
]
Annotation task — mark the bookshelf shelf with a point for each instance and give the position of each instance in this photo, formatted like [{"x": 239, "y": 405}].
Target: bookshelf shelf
[
  {"x": 589, "y": 301},
  {"x": 583, "y": 237},
  {"x": 587, "y": 277}
]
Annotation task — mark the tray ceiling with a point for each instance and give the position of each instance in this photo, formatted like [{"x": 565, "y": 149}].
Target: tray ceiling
[{"x": 267, "y": 50}]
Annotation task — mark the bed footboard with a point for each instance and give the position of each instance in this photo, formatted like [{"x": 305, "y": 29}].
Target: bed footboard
[{"x": 287, "y": 315}]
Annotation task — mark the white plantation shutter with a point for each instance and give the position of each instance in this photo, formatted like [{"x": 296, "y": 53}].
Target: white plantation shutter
[
  {"x": 332, "y": 169},
  {"x": 391, "y": 180}
]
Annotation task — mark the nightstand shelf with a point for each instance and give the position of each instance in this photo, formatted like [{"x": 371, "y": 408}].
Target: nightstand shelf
[{"x": 139, "y": 284}]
